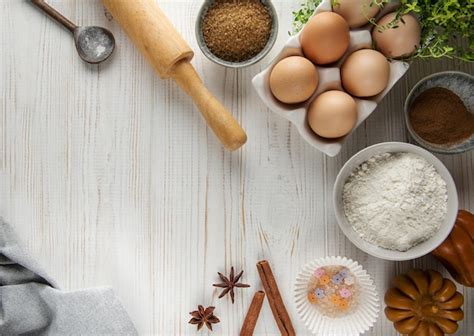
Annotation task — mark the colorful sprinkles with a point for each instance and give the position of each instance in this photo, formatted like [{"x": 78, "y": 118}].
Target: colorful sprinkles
[{"x": 333, "y": 290}]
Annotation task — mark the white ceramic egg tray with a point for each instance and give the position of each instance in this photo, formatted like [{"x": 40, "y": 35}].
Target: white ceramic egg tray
[{"x": 329, "y": 79}]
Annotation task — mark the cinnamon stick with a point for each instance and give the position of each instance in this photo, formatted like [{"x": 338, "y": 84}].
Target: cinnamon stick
[
  {"x": 252, "y": 315},
  {"x": 274, "y": 299}
]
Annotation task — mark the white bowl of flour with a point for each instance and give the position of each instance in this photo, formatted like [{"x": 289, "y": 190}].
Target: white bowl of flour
[{"x": 395, "y": 201}]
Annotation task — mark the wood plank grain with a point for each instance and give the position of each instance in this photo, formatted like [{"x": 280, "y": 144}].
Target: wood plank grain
[{"x": 110, "y": 176}]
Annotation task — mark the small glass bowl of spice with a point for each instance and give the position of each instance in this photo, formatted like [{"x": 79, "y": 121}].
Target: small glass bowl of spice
[
  {"x": 236, "y": 33},
  {"x": 439, "y": 112}
]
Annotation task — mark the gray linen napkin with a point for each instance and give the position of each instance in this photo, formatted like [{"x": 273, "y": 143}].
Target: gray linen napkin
[{"x": 32, "y": 304}]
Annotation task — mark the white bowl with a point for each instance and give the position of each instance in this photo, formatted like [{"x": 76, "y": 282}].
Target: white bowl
[
  {"x": 419, "y": 250},
  {"x": 329, "y": 79}
]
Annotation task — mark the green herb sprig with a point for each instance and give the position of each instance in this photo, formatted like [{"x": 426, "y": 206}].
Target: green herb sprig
[
  {"x": 447, "y": 25},
  {"x": 302, "y": 15}
]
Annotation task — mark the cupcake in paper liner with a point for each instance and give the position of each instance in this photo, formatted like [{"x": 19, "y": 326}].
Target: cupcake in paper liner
[{"x": 335, "y": 296}]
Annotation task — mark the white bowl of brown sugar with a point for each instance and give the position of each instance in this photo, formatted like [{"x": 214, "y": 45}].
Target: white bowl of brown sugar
[{"x": 236, "y": 34}]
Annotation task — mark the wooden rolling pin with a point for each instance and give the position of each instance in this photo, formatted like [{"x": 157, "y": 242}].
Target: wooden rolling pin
[{"x": 157, "y": 39}]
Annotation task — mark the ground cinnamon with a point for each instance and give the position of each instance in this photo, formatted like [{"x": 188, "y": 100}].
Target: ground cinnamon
[{"x": 440, "y": 117}]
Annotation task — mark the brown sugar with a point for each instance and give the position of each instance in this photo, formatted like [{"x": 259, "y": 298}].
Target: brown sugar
[
  {"x": 236, "y": 31},
  {"x": 440, "y": 117}
]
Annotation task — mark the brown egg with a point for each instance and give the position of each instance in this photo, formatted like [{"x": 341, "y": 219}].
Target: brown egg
[
  {"x": 332, "y": 114},
  {"x": 356, "y": 13},
  {"x": 293, "y": 80},
  {"x": 397, "y": 42},
  {"x": 365, "y": 73},
  {"x": 325, "y": 38}
]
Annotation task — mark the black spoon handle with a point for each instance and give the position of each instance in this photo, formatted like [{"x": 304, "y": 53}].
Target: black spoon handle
[{"x": 55, "y": 14}]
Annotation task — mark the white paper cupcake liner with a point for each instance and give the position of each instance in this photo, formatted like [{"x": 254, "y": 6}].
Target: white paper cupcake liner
[{"x": 356, "y": 322}]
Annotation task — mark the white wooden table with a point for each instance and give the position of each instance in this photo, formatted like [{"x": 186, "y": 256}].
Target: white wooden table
[{"x": 110, "y": 177}]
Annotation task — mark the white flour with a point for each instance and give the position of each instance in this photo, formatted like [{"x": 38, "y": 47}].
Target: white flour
[{"x": 395, "y": 200}]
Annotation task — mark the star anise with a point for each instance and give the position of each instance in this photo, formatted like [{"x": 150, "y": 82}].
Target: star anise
[
  {"x": 229, "y": 283},
  {"x": 204, "y": 316}
]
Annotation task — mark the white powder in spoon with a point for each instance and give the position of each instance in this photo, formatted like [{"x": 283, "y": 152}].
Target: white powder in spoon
[{"x": 395, "y": 200}]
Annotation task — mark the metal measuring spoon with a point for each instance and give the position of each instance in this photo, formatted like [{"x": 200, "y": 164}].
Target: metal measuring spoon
[{"x": 94, "y": 44}]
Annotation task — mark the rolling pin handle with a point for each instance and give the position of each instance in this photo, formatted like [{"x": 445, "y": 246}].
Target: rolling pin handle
[{"x": 221, "y": 121}]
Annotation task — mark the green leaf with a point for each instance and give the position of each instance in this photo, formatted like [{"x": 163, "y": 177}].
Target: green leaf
[{"x": 447, "y": 25}]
